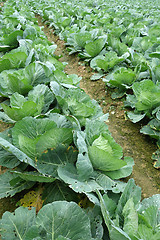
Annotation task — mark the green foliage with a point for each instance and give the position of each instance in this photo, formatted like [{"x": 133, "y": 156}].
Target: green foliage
[
  {"x": 110, "y": 60},
  {"x": 130, "y": 218},
  {"x": 94, "y": 48},
  {"x": 60, "y": 139},
  {"x": 11, "y": 184},
  {"x": 121, "y": 78},
  {"x": 105, "y": 154},
  {"x": 13, "y": 60},
  {"x": 37, "y": 102},
  {"x": 24, "y": 224},
  {"x": 147, "y": 95},
  {"x": 33, "y": 136},
  {"x": 76, "y": 102},
  {"x": 20, "y": 225}
]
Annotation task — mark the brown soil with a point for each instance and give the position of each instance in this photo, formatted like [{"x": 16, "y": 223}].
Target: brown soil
[{"x": 124, "y": 132}]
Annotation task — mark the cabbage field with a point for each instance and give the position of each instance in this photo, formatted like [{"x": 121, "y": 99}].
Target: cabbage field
[{"x": 56, "y": 150}]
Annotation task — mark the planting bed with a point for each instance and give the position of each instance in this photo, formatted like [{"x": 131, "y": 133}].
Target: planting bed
[
  {"x": 71, "y": 170},
  {"x": 124, "y": 132}
]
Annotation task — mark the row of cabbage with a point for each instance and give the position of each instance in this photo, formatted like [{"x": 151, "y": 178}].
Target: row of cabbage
[
  {"x": 58, "y": 140},
  {"x": 118, "y": 38}
]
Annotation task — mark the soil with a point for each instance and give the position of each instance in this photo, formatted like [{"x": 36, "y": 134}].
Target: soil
[{"x": 125, "y": 133}]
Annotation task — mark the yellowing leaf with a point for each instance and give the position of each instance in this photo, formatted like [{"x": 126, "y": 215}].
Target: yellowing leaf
[
  {"x": 85, "y": 203},
  {"x": 33, "y": 199}
]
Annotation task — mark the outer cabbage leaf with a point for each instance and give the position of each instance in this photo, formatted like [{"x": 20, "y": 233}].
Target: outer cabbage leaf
[
  {"x": 147, "y": 233},
  {"x": 21, "y": 156},
  {"x": 76, "y": 102},
  {"x": 148, "y": 202},
  {"x": 124, "y": 171},
  {"x": 130, "y": 218},
  {"x": 135, "y": 117},
  {"x": 119, "y": 47},
  {"x": 31, "y": 128},
  {"x": 141, "y": 44},
  {"x": 16, "y": 82},
  {"x": 55, "y": 137},
  {"x": 139, "y": 60},
  {"x": 51, "y": 159},
  {"x": 115, "y": 232},
  {"x": 104, "y": 181},
  {"x": 58, "y": 191},
  {"x": 136, "y": 224},
  {"x": 63, "y": 121},
  {"x": 147, "y": 94},
  {"x": 7, "y": 159},
  {"x": 35, "y": 72},
  {"x": 11, "y": 39},
  {"x": 76, "y": 224},
  {"x": 10, "y": 184},
  {"x": 5, "y": 64},
  {"x": 63, "y": 78},
  {"x": 83, "y": 164},
  {"x": 82, "y": 38},
  {"x": 39, "y": 100},
  {"x": 121, "y": 78},
  {"x": 20, "y": 225},
  {"x": 33, "y": 176},
  {"x": 149, "y": 218},
  {"x": 110, "y": 60},
  {"x": 94, "y": 48},
  {"x": 69, "y": 175},
  {"x": 154, "y": 31},
  {"x": 42, "y": 96},
  {"x": 29, "y": 108},
  {"x": 30, "y": 32},
  {"x": 130, "y": 191},
  {"x": 130, "y": 101},
  {"x": 96, "y": 221},
  {"x": 13, "y": 60},
  {"x": 23, "y": 80},
  {"x": 152, "y": 129},
  {"x": 33, "y": 136},
  {"x": 58, "y": 65}
]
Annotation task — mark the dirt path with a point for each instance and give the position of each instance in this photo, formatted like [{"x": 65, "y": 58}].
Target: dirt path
[{"x": 124, "y": 132}]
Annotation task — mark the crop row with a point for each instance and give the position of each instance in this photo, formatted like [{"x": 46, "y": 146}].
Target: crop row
[
  {"x": 59, "y": 146},
  {"x": 121, "y": 41}
]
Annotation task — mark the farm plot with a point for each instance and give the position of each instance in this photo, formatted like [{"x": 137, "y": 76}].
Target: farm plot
[
  {"x": 124, "y": 132},
  {"x": 59, "y": 146},
  {"x": 120, "y": 40}
]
